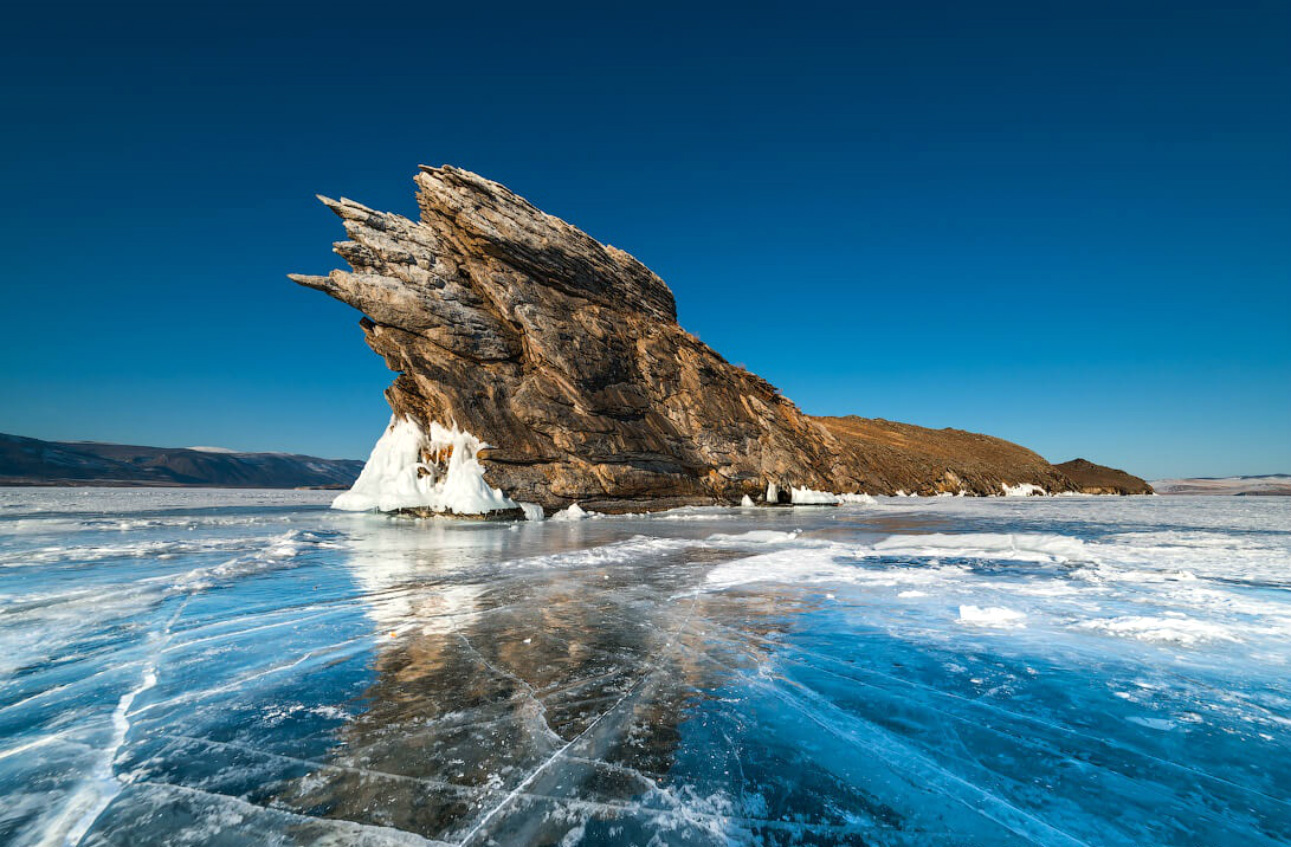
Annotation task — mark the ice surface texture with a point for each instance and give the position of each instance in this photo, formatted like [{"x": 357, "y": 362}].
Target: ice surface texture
[{"x": 253, "y": 668}]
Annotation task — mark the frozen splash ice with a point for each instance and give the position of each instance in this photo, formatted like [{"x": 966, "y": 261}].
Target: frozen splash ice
[{"x": 412, "y": 468}]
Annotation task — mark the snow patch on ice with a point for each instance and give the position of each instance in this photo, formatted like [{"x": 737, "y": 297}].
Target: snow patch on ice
[
  {"x": 396, "y": 475},
  {"x": 998, "y": 617},
  {"x": 757, "y": 536},
  {"x": 1183, "y": 631},
  {"x": 1029, "y": 547}
]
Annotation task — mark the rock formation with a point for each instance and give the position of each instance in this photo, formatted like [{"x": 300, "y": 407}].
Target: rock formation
[
  {"x": 1098, "y": 479},
  {"x": 565, "y": 357}
]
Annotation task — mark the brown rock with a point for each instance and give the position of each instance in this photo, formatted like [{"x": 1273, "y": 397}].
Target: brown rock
[
  {"x": 1098, "y": 479},
  {"x": 925, "y": 461},
  {"x": 565, "y": 356}
]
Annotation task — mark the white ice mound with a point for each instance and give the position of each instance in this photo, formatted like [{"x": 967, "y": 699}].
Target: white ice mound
[
  {"x": 412, "y": 469},
  {"x": 1022, "y": 489},
  {"x": 747, "y": 502},
  {"x": 573, "y": 512},
  {"x": 808, "y": 497},
  {"x": 858, "y": 499}
]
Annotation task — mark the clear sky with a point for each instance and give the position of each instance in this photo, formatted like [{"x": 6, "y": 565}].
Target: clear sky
[{"x": 1066, "y": 224}]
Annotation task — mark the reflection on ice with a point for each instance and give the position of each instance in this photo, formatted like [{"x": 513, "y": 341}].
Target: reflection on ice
[{"x": 265, "y": 671}]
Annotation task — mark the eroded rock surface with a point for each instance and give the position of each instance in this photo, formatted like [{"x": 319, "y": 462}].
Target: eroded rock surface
[{"x": 565, "y": 356}]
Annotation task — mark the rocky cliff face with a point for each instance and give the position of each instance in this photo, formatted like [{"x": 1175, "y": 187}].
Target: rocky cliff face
[
  {"x": 1099, "y": 479},
  {"x": 564, "y": 356}
]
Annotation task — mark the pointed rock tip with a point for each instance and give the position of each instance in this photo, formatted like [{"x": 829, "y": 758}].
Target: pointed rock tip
[
  {"x": 321, "y": 283},
  {"x": 346, "y": 208},
  {"x": 444, "y": 171}
]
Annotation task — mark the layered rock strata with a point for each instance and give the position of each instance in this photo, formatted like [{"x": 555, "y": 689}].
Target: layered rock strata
[{"x": 565, "y": 357}]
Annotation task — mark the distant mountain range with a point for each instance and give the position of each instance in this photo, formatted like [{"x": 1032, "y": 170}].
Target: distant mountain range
[
  {"x": 30, "y": 461},
  {"x": 1267, "y": 485}
]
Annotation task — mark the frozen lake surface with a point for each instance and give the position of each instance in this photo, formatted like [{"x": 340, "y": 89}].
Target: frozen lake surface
[{"x": 251, "y": 668}]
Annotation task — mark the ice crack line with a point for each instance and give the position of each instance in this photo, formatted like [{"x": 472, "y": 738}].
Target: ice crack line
[
  {"x": 530, "y": 694},
  {"x": 520, "y": 789},
  {"x": 104, "y": 781}
]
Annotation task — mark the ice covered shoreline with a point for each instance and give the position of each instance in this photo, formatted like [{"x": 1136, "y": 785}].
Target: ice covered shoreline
[{"x": 434, "y": 471}]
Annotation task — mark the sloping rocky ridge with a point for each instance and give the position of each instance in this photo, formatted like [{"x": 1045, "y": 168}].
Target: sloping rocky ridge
[
  {"x": 565, "y": 356},
  {"x": 1099, "y": 479}
]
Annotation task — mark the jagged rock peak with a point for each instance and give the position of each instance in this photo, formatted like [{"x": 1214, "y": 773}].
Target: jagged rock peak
[{"x": 564, "y": 356}]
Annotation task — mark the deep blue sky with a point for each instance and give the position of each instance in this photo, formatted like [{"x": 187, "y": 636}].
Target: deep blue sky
[{"x": 1067, "y": 224}]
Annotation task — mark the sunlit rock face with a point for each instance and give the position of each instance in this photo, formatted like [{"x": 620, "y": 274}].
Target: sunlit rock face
[{"x": 565, "y": 356}]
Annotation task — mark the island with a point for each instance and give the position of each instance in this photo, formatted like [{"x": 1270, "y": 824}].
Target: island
[{"x": 538, "y": 369}]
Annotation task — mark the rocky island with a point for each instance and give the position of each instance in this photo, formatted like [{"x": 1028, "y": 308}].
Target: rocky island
[
  {"x": 539, "y": 368},
  {"x": 1097, "y": 479}
]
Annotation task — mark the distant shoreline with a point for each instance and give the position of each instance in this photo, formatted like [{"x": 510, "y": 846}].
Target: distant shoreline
[
  {"x": 129, "y": 483},
  {"x": 34, "y": 462}
]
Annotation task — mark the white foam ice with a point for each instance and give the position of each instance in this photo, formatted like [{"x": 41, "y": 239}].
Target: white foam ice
[
  {"x": 746, "y": 502},
  {"x": 398, "y": 476}
]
